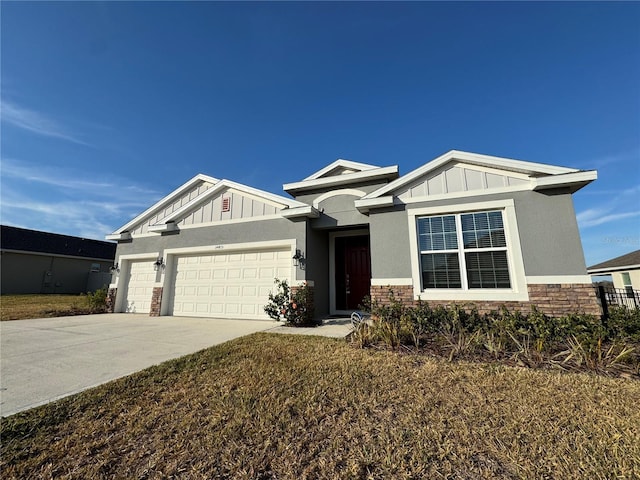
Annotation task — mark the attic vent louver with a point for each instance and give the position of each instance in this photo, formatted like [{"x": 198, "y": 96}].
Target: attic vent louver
[{"x": 226, "y": 204}]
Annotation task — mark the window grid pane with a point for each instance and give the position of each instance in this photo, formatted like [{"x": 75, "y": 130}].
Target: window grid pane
[
  {"x": 483, "y": 243},
  {"x": 483, "y": 230},
  {"x": 487, "y": 269},
  {"x": 440, "y": 270},
  {"x": 437, "y": 233}
]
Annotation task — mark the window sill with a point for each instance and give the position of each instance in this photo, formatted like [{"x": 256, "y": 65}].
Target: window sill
[{"x": 492, "y": 295}]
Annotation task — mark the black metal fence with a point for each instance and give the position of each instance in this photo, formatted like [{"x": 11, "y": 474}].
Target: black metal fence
[{"x": 610, "y": 296}]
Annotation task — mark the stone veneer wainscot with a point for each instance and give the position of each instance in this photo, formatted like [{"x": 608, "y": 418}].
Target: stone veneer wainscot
[{"x": 554, "y": 300}]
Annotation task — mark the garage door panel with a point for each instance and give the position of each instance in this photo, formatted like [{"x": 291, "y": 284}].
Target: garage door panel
[
  {"x": 250, "y": 273},
  {"x": 231, "y": 285},
  {"x": 233, "y": 273},
  {"x": 139, "y": 287}
]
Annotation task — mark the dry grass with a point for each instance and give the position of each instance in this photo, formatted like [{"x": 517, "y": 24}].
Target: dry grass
[
  {"x": 21, "y": 307},
  {"x": 289, "y": 407}
]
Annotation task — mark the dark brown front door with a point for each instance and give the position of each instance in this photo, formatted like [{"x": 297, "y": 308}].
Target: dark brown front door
[{"x": 353, "y": 271}]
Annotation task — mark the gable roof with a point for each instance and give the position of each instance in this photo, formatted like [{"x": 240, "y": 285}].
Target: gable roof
[
  {"x": 344, "y": 172},
  {"x": 629, "y": 261},
  {"x": 164, "y": 202},
  {"x": 338, "y": 165},
  {"x": 34, "y": 241},
  {"x": 167, "y": 222},
  {"x": 541, "y": 175}
]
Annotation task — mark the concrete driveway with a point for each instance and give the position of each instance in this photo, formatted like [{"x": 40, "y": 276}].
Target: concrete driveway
[{"x": 46, "y": 359}]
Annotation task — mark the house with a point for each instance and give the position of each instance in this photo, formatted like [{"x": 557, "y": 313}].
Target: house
[
  {"x": 461, "y": 228},
  {"x": 42, "y": 262},
  {"x": 625, "y": 270}
]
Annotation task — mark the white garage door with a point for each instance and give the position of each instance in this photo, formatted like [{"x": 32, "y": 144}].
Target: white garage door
[
  {"x": 140, "y": 284},
  {"x": 228, "y": 285}
]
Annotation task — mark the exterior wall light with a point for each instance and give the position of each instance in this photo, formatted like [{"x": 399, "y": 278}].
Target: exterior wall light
[
  {"x": 158, "y": 264},
  {"x": 298, "y": 258},
  {"x": 115, "y": 268}
]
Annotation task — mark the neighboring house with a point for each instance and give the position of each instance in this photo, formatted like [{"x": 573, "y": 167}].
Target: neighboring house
[
  {"x": 461, "y": 228},
  {"x": 42, "y": 262},
  {"x": 625, "y": 270}
]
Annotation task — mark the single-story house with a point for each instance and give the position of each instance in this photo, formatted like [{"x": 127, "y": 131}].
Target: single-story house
[
  {"x": 624, "y": 270},
  {"x": 43, "y": 262},
  {"x": 461, "y": 228}
]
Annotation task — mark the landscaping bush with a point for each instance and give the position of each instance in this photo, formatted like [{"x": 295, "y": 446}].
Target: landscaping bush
[
  {"x": 97, "y": 301},
  {"x": 574, "y": 341},
  {"x": 624, "y": 323},
  {"x": 292, "y": 307}
]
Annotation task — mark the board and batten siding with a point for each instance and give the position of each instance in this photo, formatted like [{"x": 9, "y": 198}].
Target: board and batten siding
[
  {"x": 456, "y": 179},
  {"x": 157, "y": 217},
  {"x": 241, "y": 206}
]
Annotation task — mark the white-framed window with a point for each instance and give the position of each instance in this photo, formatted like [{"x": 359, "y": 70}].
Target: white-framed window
[{"x": 468, "y": 251}]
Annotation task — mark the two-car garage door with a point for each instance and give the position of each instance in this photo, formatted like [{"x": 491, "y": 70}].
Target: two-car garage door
[{"x": 227, "y": 285}]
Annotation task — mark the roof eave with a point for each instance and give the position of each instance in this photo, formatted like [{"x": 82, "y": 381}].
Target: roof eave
[
  {"x": 358, "y": 177},
  {"x": 167, "y": 199},
  {"x": 575, "y": 181},
  {"x": 299, "y": 212},
  {"x": 605, "y": 270}
]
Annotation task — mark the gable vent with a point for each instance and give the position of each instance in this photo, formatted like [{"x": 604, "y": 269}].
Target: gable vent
[{"x": 226, "y": 204}]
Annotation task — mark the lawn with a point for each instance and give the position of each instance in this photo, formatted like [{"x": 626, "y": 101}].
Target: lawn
[
  {"x": 273, "y": 406},
  {"x": 20, "y": 307}
]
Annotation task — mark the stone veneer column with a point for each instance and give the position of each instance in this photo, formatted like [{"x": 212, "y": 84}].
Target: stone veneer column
[
  {"x": 110, "y": 301},
  {"x": 156, "y": 300},
  {"x": 554, "y": 300}
]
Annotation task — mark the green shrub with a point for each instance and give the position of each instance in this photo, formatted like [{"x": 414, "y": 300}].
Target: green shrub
[
  {"x": 292, "y": 307},
  {"x": 624, "y": 324},
  {"x": 571, "y": 341},
  {"x": 97, "y": 301}
]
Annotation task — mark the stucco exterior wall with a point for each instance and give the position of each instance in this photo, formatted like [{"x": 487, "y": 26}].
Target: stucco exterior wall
[
  {"x": 390, "y": 251},
  {"x": 317, "y": 268},
  {"x": 548, "y": 230},
  {"x": 339, "y": 211},
  {"x": 549, "y": 234},
  {"x": 366, "y": 187},
  {"x": 224, "y": 234}
]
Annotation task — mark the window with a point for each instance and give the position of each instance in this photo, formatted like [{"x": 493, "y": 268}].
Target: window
[
  {"x": 463, "y": 251},
  {"x": 95, "y": 267}
]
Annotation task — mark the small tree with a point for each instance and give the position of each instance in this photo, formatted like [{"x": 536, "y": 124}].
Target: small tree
[{"x": 292, "y": 307}]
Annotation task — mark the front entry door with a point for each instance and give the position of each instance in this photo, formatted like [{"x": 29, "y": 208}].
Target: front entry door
[{"x": 353, "y": 271}]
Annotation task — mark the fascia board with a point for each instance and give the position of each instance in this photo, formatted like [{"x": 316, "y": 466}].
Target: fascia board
[
  {"x": 297, "y": 212},
  {"x": 340, "y": 163},
  {"x": 510, "y": 163},
  {"x": 341, "y": 179},
  {"x": 472, "y": 158},
  {"x": 162, "y": 227},
  {"x": 168, "y": 199},
  {"x": 579, "y": 179},
  {"x": 364, "y": 205},
  {"x": 597, "y": 271},
  {"x": 118, "y": 236}
]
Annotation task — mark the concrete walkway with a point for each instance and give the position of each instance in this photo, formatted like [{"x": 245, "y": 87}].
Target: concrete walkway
[
  {"x": 331, "y": 327},
  {"x": 42, "y": 360}
]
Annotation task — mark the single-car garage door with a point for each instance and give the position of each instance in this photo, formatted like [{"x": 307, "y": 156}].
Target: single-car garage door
[
  {"x": 140, "y": 284},
  {"x": 228, "y": 285}
]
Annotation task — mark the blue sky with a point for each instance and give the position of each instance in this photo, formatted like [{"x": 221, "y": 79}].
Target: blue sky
[{"x": 108, "y": 106}]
